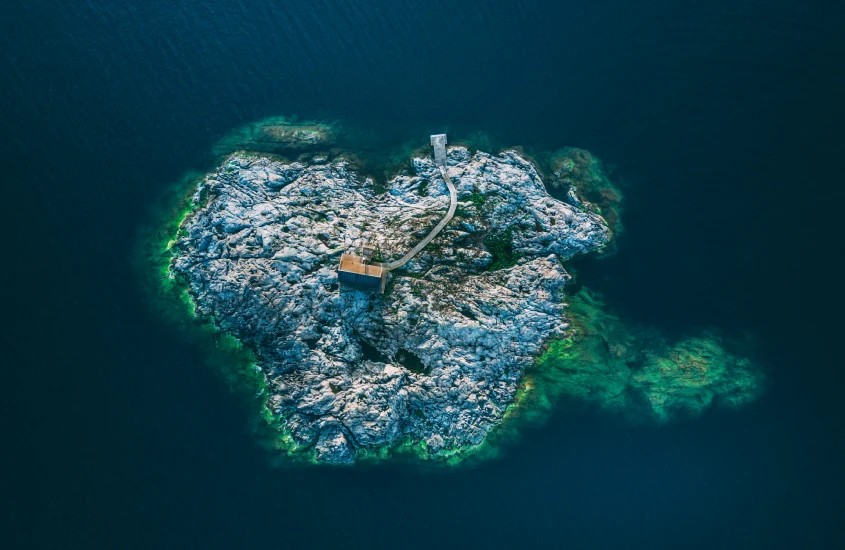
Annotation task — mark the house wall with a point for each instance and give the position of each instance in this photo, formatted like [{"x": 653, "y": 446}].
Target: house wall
[{"x": 356, "y": 279}]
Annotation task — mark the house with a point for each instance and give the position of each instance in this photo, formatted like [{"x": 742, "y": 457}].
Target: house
[{"x": 357, "y": 271}]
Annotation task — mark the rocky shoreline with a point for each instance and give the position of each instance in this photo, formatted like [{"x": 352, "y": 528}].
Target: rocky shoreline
[{"x": 434, "y": 364}]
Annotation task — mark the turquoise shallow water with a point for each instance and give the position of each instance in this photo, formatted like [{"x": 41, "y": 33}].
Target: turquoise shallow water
[{"x": 722, "y": 120}]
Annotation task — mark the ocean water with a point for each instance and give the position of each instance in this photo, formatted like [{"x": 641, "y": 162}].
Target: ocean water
[{"x": 723, "y": 120}]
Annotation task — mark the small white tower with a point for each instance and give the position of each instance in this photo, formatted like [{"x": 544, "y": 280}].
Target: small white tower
[{"x": 438, "y": 141}]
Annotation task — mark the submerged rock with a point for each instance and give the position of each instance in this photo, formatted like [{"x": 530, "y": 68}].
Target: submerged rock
[
  {"x": 435, "y": 362},
  {"x": 576, "y": 170},
  {"x": 279, "y": 135},
  {"x": 638, "y": 371}
]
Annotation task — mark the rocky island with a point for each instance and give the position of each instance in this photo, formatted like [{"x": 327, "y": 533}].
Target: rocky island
[{"x": 450, "y": 351}]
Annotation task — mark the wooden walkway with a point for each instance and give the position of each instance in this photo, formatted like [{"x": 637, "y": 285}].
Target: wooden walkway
[{"x": 453, "y": 204}]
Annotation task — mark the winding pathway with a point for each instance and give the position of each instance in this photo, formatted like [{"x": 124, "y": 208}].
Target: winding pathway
[{"x": 453, "y": 204}]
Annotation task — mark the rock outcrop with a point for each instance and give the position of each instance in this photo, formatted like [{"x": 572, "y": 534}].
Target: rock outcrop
[{"x": 436, "y": 360}]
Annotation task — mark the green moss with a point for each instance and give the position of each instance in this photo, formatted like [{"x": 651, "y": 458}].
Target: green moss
[
  {"x": 500, "y": 245},
  {"x": 477, "y": 199},
  {"x": 461, "y": 212}
]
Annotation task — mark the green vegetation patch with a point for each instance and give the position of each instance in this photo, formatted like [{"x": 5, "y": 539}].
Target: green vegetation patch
[
  {"x": 477, "y": 199},
  {"x": 500, "y": 245}
]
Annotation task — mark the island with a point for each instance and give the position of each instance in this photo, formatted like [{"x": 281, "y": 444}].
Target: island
[{"x": 423, "y": 316}]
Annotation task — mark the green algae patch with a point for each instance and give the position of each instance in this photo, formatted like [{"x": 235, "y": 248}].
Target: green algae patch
[
  {"x": 169, "y": 297},
  {"x": 500, "y": 246},
  {"x": 639, "y": 372}
]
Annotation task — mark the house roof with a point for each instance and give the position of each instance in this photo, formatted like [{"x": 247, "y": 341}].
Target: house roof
[{"x": 351, "y": 263}]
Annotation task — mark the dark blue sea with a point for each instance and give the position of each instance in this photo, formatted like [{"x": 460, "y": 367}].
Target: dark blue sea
[{"x": 723, "y": 118}]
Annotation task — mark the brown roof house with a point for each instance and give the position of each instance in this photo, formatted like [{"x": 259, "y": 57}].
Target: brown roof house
[{"x": 361, "y": 271}]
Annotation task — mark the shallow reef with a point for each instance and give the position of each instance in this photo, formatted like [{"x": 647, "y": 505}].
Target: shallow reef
[
  {"x": 639, "y": 371},
  {"x": 279, "y": 135},
  {"x": 578, "y": 169}
]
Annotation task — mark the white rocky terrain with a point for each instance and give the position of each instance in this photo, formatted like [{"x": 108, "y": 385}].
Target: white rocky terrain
[{"x": 433, "y": 362}]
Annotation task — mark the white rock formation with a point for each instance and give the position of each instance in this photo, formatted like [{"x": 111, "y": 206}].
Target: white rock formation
[{"x": 438, "y": 357}]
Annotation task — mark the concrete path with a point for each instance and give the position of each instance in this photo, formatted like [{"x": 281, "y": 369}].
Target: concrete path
[{"x": 453, "y": 204}]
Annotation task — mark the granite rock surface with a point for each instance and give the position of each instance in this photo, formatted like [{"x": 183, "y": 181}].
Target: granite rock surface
[{"x": 436, "y": 360}]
